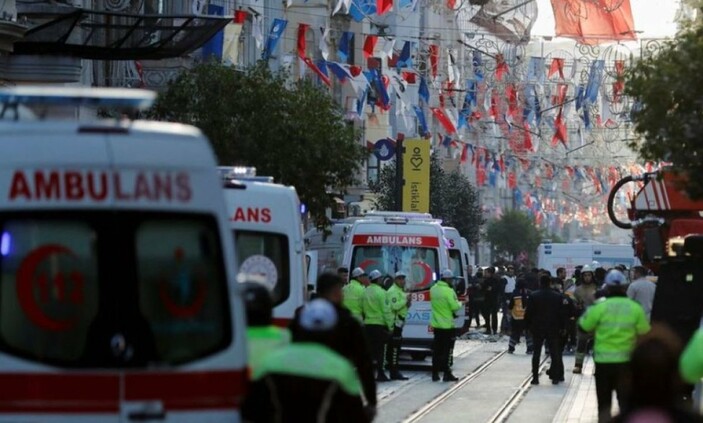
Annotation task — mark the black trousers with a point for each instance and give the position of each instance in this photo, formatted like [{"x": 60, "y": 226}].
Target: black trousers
[
  {"x": 393, "y": 349},
  {"x": 378, "y": 337},
  {"x": 519, "y": 328},
  {"x": 553, "y": 341},
  {"x": 443, "y": 350},
  {"x": 475, "y": 312},
  {"x": 490, "y": 315},
  {"x": 610, "y": 377}
]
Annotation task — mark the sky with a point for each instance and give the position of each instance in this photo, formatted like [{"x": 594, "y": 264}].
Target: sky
[{"x": 655, "y": 18}]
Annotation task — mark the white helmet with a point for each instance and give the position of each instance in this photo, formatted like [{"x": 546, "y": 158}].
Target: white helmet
[
  {"x": 586, "y": 268},
  {"x": 375, "y": 274},
  {"x": 615, "y": 278}
]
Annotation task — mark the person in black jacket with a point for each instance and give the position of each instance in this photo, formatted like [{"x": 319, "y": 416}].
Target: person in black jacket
[
  {"x": 492, "y": 288},
  {"x": 348, "y": 337},
  {"x": 545, "y": 316}
]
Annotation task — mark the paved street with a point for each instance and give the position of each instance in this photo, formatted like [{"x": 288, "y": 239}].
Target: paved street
[{"x": 493, "y": 387}]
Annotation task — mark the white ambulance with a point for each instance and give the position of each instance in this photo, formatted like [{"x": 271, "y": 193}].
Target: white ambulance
[
  {"x": 267, "y": 229},
  {"x": 117, "y": 302},
  {"x": 328, "y": 243},
  {"x": 458, "y": 256},
  {"x": 411, "y": 242}
]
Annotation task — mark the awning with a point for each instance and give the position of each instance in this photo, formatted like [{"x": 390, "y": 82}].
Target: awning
[{"x": 100, "y": 35}]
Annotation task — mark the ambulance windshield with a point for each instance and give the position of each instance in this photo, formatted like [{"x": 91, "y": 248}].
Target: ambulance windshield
[
  {"x": 86, "y": 289},
  {"x": 419, "y": 263}
]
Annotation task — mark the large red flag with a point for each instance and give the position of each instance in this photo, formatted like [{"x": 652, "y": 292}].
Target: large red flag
[{"x": 594, "y": 22}]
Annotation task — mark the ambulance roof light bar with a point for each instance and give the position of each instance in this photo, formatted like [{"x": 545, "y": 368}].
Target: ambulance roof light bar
[
  {"x": 124, "y": 98},
  {"x": 408, "y": 215},
  {"x": 242, "y": 173}
]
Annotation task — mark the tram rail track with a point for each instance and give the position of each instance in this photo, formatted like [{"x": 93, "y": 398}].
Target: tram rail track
[
  {"x": 501, "y": 415},
  {"x": 509, "y": 406},
  {"x": 439, "y": 400}
]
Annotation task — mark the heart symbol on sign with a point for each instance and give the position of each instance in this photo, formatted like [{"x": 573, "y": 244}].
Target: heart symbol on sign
[{"x": 416, "y": 162}]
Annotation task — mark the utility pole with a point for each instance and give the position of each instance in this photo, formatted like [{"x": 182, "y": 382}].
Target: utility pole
[{"x": 399, "y": 181}]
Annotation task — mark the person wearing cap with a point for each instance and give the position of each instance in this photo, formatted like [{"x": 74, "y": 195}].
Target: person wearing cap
[
  {"x": 445, "y": 306},
  {"x": 584, "y": 297},
  {"x": 348, "y": 337},
  {"x": 617, "y": 322},
  {"x": 378, "y": 321},
  {"x": 353, "y": 293},
  {"x": 399, "y": 302},
  {"x": 306, "y": 381},
  {"x": 262, "y": 335}
]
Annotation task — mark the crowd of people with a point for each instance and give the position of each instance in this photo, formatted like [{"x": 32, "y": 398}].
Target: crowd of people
[{"x": 326, "y": 365}]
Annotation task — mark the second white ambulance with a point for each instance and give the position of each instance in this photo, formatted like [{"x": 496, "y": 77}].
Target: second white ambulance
[{"x": 268, "y": 233}]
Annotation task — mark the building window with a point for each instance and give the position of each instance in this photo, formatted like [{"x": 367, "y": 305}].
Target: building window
[{"x": 372, "y": 169}]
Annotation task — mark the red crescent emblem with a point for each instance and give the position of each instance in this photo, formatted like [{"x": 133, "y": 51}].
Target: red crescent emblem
[
  {"x": 427, "y": 279},
  {"x": 366, "y": 263},
  {"x": 183, "y": 311},
  {"x": 25, "y": 288}
]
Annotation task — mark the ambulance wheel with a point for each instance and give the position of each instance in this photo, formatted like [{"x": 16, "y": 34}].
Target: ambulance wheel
[{"x": 418, "y": 356}]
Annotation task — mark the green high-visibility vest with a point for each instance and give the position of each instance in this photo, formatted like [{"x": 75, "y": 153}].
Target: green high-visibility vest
[
  {"x": 444, "y": 304},
  {"x": 262, "y": 340},
  {"x": 375, "y": 306},
  {"x": 398, "y": 303},
  {"x": 353, "y": 293},
  {"x": 617, "y": 322},
  {"x": 691, "y": 364},
  {"x": 310, "y": 360}
]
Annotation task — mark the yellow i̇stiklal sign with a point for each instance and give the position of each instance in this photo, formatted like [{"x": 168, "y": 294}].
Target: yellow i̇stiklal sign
[{"x": 416, "y": 173}]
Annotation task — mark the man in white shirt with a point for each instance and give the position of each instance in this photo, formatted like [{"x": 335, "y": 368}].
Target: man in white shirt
[
  {"x": 509, "y": 287},
  {"x": 642, "y": 289}
]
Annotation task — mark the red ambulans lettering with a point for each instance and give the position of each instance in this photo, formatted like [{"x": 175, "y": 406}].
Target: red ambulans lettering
[
  {"x": 96, "y": 185},
  {"x": 396, "y": 240},
  {"x": 252, "y": 214},
  {"x": 403, "y": 240}
]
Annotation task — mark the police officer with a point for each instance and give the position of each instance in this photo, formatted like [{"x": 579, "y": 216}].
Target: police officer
[
  {"x": 445, "y": 306},
  {"x": 378, "y": 321},
  {"x": 399, "y": 301},
  {"x": 306, "y": 381},
  {"x": 348, "y": 337},
  {"x": 617, "y": 322},
  {"x": 262, "y": 336},
  {"x": 545, "y": 316},
  {"x": 353, "y": 293}
]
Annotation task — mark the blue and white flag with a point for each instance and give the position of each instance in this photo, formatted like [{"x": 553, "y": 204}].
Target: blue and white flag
[
  {"x": 423, "y": 91},
  {"x": 345, "y": 45},
  {"x": 421, "y": 120},
  {"x": 595, "y": 78},
  {"x": 278, "y": 27},
  {"x": 405, "y": 60},
  {"x": 362, "y": 8}
]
